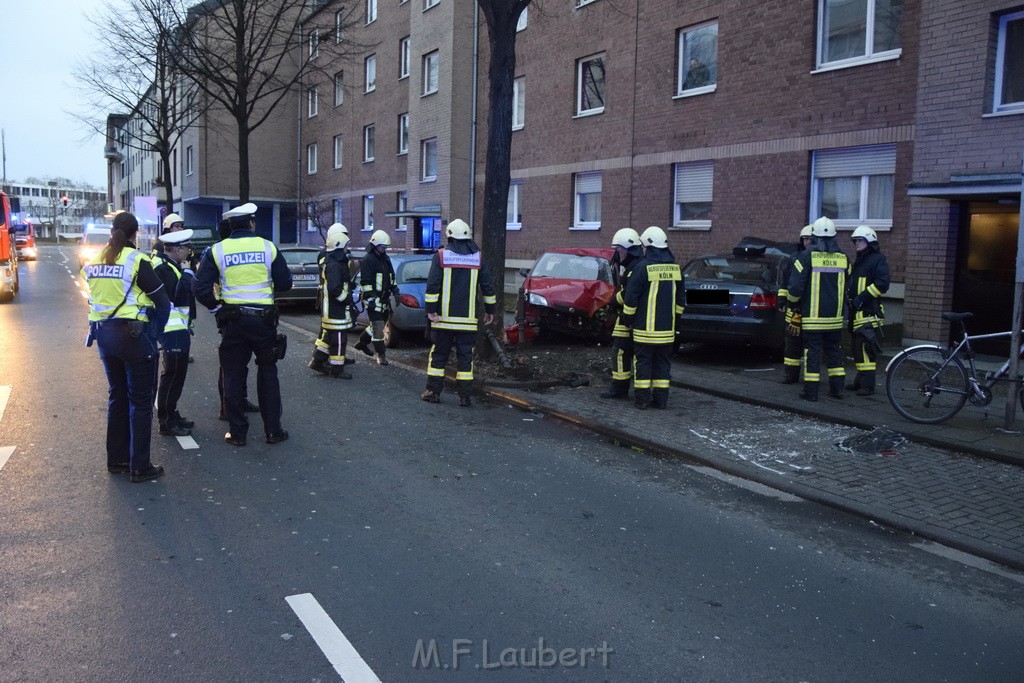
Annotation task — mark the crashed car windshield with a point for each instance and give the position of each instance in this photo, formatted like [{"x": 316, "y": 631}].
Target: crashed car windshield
[{"x": 572, "y": 267}]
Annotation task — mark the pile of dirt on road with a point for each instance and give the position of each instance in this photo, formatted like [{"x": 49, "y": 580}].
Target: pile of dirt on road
[{"x": 570, "y": 363}]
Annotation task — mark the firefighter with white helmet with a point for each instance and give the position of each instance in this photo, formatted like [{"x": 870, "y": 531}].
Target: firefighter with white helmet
[
  {"x": 652, "y": 303},
  {"x": 628, "y": 254},
  {"x": 336, "y": 315},
  {"x": 377, "y": 284},
  {"x": 792, "y": 344},
  {"x": 869, "y": 281},
  {"x": 817, "y": 288}
]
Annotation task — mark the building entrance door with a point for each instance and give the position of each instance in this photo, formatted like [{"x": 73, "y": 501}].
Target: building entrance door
[{"x": 986, "y": 256}]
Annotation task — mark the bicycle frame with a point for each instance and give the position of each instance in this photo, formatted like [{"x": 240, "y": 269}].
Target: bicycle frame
[{"x": 968, "y": 355}]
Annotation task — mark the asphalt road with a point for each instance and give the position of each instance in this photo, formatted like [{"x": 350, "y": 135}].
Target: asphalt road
[{"x": 503, "y": 540}]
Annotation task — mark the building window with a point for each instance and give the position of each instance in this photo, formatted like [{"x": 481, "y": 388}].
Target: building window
[
  {"x": 427, "y": 4},
  {"x": 367, "y": 212},
  {"x": 314, "y": 44},
  {"x": 371, "y": 11},
  {"x": 587, "y": 205},
  {"x": 311, "y": 158},
  {"x": 337, "y": 211},
  {"x": 514, "y": 220},
  {"x": 521, "y": 24},
  {"x": 403, "y": 133},
  {"x": 370, "y": 69},
  {"x": 428, "y": 154},
  {"x": 854, "y": 31},
  {"x": 697, "y": 62},
  {"x": 403, "y": 205},
  {"x": 694, "y": 184},
  {"x": 312, "y": 215},
  {"x": 312, "y": 102},
  {"x": 430, "y": 65},
  {"x": 403, "y": 58},
  {"x": 855, "y": 185},
  {"x": 339, "y": 26},
  {"x": 590, "y": 85},
  {"x": 338, "y": 151},
  {"x": 189, "y": 161},
  {"x": 1009, "y": 81},
  {"x": 339, "y": 88},
  {"x": 368, "y": 142},
  {"x": 518, "y": 103}
]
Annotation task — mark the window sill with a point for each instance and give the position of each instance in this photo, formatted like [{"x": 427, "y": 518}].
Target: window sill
[
  {"x": 428, "y": 94},
  {"x": 691, "y": 226},
  {"x": 513, "y": 227},
  {"x": 1003, "y": 112},
  {"x": 337, "y": 168},
  {"x": 859, "y": 61},
  {"x": 424, "y": 181},
  {"x": 367, "y": 92},
  {"x": 310, "y": 172},
  {"x": 402, "y": 78},
  {"x": 519, "y": 127},
  {"x": 338, "y": 104},
  {"x": 403, "y": 154},
  {"x": 693, "y": 92},
  {"x": 368, "y": 161},
  {"x": 850, "y": 226},
  {"x": 369, "y": 229},
  {"x": 311, "y": 116},
  {"x": 585, "y": 227},
  {"x": 400, "y": 229},
  {"x": 585, "y": 114}
]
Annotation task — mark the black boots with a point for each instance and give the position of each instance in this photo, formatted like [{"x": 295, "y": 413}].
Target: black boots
[
  {"x": 659, "y": 398},
  {"x": 619, "y": 388},
  {"x": 835, "y": 387},
  {"x": 863, "y": 384},
  {"x": 642, "y": 398},
  {"x": 319, "y": 362},
  {"x": 790, "y": 374}
]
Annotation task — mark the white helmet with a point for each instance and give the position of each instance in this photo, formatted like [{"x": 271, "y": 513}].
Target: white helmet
[
  {"x": 654, "y": 237},
  {"x": 823, "y": 227},
  {"x": 337, "y": 237},
  {"x": 865, "y": 232},
  {"x": 171, "y": 219},
  {"x": 458, "y": 230},
  {"x": 806, "y": 231},
  {"x": 380, "y": 238},
  {"x": 626, "y": 238}
]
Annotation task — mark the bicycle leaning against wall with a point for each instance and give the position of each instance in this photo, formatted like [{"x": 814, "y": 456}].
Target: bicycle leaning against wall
[{"x": 929, "y": 384}]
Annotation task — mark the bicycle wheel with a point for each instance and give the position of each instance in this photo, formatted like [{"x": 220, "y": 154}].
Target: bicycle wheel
[{"x": 924, "y": 390}]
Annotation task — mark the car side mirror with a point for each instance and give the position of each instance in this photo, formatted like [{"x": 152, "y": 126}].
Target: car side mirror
[{"x": 524, "y": 272}]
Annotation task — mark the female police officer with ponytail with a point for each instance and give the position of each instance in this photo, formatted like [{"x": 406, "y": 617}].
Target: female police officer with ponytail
[{"x": 127, "y": 312}]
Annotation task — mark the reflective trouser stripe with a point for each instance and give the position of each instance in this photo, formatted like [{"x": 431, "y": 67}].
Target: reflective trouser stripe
[
  {"x": 661, "y": 383},
  {"x": 837, "y": 372},
  {"x": 791, "y": 362},
  {"x": 431, "y": 370},
  {"x": 464, "y": 376},
  {"x": 621, "y": 371}
]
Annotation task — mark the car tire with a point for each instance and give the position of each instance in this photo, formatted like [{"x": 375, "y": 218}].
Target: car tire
[{"x": 391, "y": 335}]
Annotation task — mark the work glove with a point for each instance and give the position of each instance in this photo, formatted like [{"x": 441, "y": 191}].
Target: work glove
[
  {"x": 794, "y": 326},
  {"x": 858, "y": 302}
]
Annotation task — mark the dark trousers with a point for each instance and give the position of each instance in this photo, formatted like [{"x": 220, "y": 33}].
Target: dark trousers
[
  {"x": 622, "y": 369},
  {"x": 130, "y": 364},
  {"x": 865, "y": 356},
  {"x": 374, "y": 332},
  {"x": 443, "y": 341},
  {"x": 792, "y": 354},
  {"x": 817, "y": 343},
  {"x": 242, "y": 339},
  {"x": 172, "y": 380},
  {"x": 652, "y": 372},
  {"x": 331, "y": 345}
]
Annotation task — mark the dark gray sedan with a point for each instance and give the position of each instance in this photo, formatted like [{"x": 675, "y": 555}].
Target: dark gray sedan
[{"x": 303, "y": 264}]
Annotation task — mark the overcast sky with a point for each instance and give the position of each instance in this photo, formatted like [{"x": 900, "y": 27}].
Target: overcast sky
[{"x": 40, "y": 45}]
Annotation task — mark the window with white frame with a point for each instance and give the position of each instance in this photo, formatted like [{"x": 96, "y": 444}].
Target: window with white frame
[
  {"x": 189, "y": 161},
  {"x": 697, "y": 60},
  {"x": 339, "y": 149},
  {"x": 587, "y": 203},
  {"x": 369, "y": 133},
  {"x": 521, "y": 24},
  {"x": 428, "y": 156},
  {"x": 403, "y": 58},
  {"x": 855, "y": 31},
  {"x": 371, "y": 11},
  {"x": 693, "y": 193},
  {"x": 403, "y": 205},
  {"x": 311, "y": 158},
  {"x": 314, "y": 44},
  {"x": 339, "y": 88},
  {"x": 367, "y": 212},
  {"x": 312, "y": 212},
  {"x": 370, "y": 69},
  {"x": 431, "y": 61},
  {"x": 590, "y": 85},
  {"x": 337, "y": 211},
  {"x": 514, "y": 219},
  {"x": 403, "y": 133},
  {"x": 518, "y": 103},
  {"x": 855, "y": 185},
  {"x": 339, "y": 26},
  {"x": 427, "y": 4},
  {"x": 1009, "y": 76},
  {"x": 312, "y": 102}
]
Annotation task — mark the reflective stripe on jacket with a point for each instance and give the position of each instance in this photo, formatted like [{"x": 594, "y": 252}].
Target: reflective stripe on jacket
[
  {"x": 818, "y": 284},
  {"x": 654, "y": 298},
  {"x": 336, "y": 291},
  {"x": 244, "y": 265},
  {"x": 109, "y": 285},
  {"x": 870, "y": 277},
  {"x": 452, "y": 287}
]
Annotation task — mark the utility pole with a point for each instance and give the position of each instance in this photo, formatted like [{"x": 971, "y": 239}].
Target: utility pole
[
  {"x": 3, "y": 143},
  {"x": 1018, "y": 292}
]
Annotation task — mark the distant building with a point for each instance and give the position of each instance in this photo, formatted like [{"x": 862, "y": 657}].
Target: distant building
[{"x": 42, "y": 205}]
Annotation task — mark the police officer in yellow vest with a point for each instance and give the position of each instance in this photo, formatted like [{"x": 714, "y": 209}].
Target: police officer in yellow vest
[
  {"x": 817, "y": 288},
  {"x": 248, "y": 269},
  {"x": 176, "y": 340},
  {"x": 456, "y": 272},
  {"x": 628, "y": 253},
  {"x": 127, "y": 309},
  {"x": 654, "y": 299}
]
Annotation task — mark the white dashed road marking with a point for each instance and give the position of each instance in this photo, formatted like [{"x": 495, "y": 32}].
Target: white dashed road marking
[
  {"x": 187, "y": 442},
  {"x": 339, "y": 652},
  {"x": 5, "y": 393},
  {"x": 5, "y": 453}
]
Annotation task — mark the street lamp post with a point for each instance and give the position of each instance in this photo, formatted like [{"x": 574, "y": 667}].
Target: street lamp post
[{"x": 53, "y": 207}]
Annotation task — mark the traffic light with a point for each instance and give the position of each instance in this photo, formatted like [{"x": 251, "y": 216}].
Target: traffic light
[{"x": 64, "y": 200}]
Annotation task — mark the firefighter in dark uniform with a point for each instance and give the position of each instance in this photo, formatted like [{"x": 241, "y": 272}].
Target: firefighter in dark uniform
[
  {"x": 628, "y": 253},
  {"x": 127, "y": 308},
  {"x": 792, "y": 344},
  {"x": 248, "y": 269},
  {"x": 336, "y": 317},
  {"x": 654, "y": 299},
  {"x": 817, "y": 289},
  {"x": 455, "y": 274},
  {"x": 176, "y": 340},
  {"x": 869, "y": 280},
  {"x": 377, "y": 284}
]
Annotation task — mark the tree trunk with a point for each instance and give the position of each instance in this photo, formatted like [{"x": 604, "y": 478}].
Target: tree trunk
[
  {"x": 243, "y": 163},
  {"x": 165, "y": 162}
]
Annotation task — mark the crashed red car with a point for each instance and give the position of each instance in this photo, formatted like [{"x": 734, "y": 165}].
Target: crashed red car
[{"x": 568, "y": 291}]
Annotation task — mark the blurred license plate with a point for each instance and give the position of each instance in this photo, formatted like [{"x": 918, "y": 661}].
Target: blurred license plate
[
  {"x": 304, "y": 277},
  {"x": 707, "y": 297}
]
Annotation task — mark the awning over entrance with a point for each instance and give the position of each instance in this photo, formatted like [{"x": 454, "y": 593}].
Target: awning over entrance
[
  {"x": 430, "y": 213},
  {"x": 974, "y": 187}
]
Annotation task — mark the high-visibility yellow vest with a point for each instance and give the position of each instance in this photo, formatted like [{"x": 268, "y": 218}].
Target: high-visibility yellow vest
[
  {"x": 178, "y": 318},
  {"x": 109, "y": 285},
  {"x": 244, "y": 265}
]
